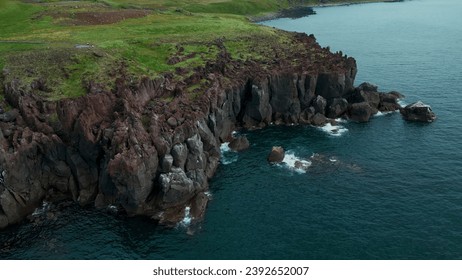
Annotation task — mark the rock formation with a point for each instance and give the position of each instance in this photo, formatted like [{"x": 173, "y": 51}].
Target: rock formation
[
  {"x": 239, "y": 143},
  {"x": 418, "y": 112},
  {"x": 149, "y": 155},
  {"x": 276, "y": 155}
]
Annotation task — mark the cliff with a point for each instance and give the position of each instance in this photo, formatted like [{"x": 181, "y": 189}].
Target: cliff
[{"x": 141, "y": 152}]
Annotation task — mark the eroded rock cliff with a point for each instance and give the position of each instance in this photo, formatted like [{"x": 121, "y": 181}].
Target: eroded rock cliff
[{"x": 149, "y": 148}]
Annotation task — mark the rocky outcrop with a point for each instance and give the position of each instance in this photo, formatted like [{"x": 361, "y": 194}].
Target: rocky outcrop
[
  {"x": 418, "y": 112},
  {"x": 276, "y": 155},
  {"x": 239, "y": 143},
  {"x": 365, "y": 101},
  {"x": 149, "y": 149}
]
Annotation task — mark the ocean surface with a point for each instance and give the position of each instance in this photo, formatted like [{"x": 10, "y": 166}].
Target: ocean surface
[{"x": 386, "y": 189}]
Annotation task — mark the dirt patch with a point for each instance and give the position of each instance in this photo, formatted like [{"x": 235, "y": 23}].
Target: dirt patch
[{"x": 98, "y": 18}]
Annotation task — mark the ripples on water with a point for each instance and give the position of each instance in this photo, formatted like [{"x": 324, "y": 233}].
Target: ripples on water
[{"x": 386, "y": 189}]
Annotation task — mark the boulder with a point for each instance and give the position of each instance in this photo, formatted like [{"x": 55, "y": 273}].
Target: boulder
[
  {"x": 239, "y": 143},
  {"x": 389, "y": 101},
  {"x": 172, "y": 122},
  {"x": 367, "y": 87},
  {"x": 276, "y": 155},
  {"x": 360, "y": 112},
  {"x": 337, "y": 107},
  {"x": 418, "y": 112},
  {"x": 319, "y": 120}
]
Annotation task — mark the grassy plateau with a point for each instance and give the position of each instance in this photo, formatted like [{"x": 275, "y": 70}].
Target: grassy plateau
[{"x": 66, "y": 45}]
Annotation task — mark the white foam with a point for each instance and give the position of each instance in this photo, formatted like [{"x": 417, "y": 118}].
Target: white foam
[
  {"x": 334, "y": 130},
  {"x": 402, "y": 103},
  {"x": 295, "y": 163},
  {"x": 112, "y": 209},
  {"x": 227, "y": 154},
  {"x": 381, "y": 114},
  {"x": 341, "y": 120},
  {"x": 333, "y": 159},
  {"x": 39, "y": 211},
  {"x": 225, "y": 147},
  {"x": 187, "y": 217}
]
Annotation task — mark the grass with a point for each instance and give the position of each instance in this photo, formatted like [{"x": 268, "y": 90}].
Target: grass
[{"x": 39, "y": 39}]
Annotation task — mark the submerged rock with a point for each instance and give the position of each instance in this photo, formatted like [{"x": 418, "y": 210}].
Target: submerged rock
[
  {"x": 276, "y": 155},
  {"x": 418, "y": 112}
]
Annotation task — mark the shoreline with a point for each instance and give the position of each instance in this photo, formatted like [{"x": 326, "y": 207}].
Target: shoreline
[
  {"x": 303, "y": 11},
  {"x": 159, "y": 134}
]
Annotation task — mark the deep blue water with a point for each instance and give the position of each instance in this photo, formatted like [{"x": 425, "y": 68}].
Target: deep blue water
[{"x": 386, "y": 189}]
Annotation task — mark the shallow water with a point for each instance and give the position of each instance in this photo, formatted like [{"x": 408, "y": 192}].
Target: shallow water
[{"x": 386, "y": 189}]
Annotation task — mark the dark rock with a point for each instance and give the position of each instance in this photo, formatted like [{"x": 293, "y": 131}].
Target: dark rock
[
  {"x": 240, "y": 143},
  {"x": 307, "y": 115},
  {"x": 9, "y": 116},
  {"x": 195, "y": 145},
  {"x": 176, "y": 187},
  {"x": 198, "y": 205},
  {"x": 3, "y": 221},
  {"x": 367, "y": 87},
  {"x": 285, "y": 100},
  {"x": 180, "y": 154},
  {"x": 389, "y": 101},
  {"x": 276, "y": 155},
  {"x": 257, "y": 109},
  {"x": 359, "y": 96},
  {"x": 360, "y": 112},
  {"x": 199, "y": 179},
  {"x": 167, "y": 163},
  {"x": 172, "y": 122},
  {"x": 319, "y": 120},
  {"x": 337, "y": 108},
  {"x": 332, "y": 85},
  {"x": 319, "y": 105},
  {"x": 419, "y": 112}
]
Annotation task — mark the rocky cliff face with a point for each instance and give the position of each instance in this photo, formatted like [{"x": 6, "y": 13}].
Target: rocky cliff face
[{"x": 133, "y": 149}]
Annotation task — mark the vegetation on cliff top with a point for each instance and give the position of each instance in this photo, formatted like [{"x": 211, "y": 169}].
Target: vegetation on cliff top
[{"x": 64, "y": 49}]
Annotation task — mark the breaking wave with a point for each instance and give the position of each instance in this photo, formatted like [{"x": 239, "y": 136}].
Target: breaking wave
[
  {"x": 334, "y": 130},
  {"x": 295, "y": 163},
  {"x": 227, "y": 155}
]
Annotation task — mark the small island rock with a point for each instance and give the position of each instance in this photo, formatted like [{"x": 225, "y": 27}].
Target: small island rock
[
  {"x": 418, "y": 112},
  {"x": 277, "y": 155}
]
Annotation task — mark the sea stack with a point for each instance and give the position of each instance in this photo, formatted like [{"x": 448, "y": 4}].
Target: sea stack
[{"x": 276, "y": 155}]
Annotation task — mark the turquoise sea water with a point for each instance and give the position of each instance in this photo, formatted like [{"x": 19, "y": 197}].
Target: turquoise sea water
[{"x": 386, "y": 189}]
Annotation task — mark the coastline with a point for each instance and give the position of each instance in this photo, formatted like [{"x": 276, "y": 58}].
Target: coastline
[
  {"x": 307, "y": 10},
  {"x": 148, "y": 146}
]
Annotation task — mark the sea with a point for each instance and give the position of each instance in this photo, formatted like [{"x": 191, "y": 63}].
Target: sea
[{"x": 386, "y": 189}]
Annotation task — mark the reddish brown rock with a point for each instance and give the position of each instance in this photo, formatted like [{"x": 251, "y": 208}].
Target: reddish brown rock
[{"x": 276, "y": 155}]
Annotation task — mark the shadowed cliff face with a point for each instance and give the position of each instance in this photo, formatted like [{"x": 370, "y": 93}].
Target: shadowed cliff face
[{"x": 146, "y": 154}]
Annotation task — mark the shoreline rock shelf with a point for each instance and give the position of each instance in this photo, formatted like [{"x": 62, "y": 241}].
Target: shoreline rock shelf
[{"x": 131, "y": 149}]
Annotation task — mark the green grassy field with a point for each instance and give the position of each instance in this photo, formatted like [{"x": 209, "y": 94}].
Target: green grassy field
[{"x": 67, "y": 44}]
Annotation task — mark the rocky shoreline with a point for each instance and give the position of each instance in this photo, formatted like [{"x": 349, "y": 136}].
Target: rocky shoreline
[
  {"x": 303, "y": 11},
  {"x": 149, "y": 149}
]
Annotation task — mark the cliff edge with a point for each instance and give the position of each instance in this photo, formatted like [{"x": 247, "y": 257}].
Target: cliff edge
[{"x": 134, "y": 123}]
